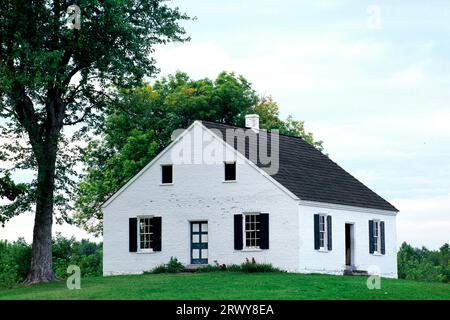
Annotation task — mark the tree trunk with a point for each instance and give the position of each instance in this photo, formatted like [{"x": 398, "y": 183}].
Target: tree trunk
[
  {"x": 41, "y": 260},
  {"x": 44, "y": 139}
]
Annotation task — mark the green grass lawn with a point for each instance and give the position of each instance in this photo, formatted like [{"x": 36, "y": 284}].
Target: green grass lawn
[{"x": 231, "y": 285}]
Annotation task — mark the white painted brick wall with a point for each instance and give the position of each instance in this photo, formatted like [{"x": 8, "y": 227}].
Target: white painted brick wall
[
  {"x": 199, "y": 193},
  {"x": 334, "y": 261}
]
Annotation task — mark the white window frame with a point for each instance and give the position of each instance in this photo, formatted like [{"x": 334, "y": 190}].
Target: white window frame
[
  {"x": 377, "y": 236},
  {"x": 245, "y": 231},
  {"x": 323, "y": 232},
  {"x": 144, "y": 250}
]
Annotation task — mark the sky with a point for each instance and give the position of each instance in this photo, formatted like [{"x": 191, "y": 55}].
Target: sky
[{"x": 369, "y": 78}]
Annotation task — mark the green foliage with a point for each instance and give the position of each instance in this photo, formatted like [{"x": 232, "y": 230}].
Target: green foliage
[
  {"x": 140, "y": 124},
  {"x": 253, "y": 266},
  {"x": 14, "y": 262},
  {"x": 158, "y": 269},
  {"x": 9, "y": 189},
  {"x": 249, "y": 266},
  {"x": 173, "y": 266},
  {"x": 85, "y": 254},
  {"x": 12, "y": 192},
  {"x": 211, "y": 268},
  {"x": 15, "y": 259},
  {"x": 424, "y": 265}
]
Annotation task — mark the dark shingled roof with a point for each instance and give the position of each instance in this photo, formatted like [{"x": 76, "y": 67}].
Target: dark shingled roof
[{"x": 312, "y": 176}]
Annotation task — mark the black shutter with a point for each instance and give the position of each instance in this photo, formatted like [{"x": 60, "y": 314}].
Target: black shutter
[
  {"x": 329, "y": 236},
  {"x": 132, "y": 232},
  {"x": 383, "y": 249},
  {"x": 156, "y": 236},
  {"x": 316, "y": 232},
  {"x": 371, "y": 239},
  {"x": 264, "y": 227},
  {"x": 238, "y": 244}
]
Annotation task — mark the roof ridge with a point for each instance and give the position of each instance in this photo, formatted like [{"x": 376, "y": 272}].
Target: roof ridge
[{"x": 243, "y": 127}]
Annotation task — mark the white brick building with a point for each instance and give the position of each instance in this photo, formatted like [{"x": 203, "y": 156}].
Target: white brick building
[{"x": 206, "y": 203}]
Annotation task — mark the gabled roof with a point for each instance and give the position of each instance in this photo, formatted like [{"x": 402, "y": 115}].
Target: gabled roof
[{"x": 311, "y": 175}]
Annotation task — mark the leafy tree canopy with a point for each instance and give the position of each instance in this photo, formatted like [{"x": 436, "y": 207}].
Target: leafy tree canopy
[
  {"x": 141, "y": 123},
  {"x": 53, "y": 77}
]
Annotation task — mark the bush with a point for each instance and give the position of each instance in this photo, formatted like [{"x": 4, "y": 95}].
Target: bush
[
  {"x": 252, "y": 266},
  {"x": 422, "y": 264},
  {"x": 210, "y": 268},
  {"x": 8, "y": 279},
  {"x": 425, "y": 271},
  {"x": 249, "y": 266},
  {"x": 14, "y": 262},
  {"x": 15, "y": 259},
  {"x": 159, "y": 269},
  {"x": 173, "y": 266},
  {"x": 234, "y": 268},
  {"x": 85, "y": 254}
]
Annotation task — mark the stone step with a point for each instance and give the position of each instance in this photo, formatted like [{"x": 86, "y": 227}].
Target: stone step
[{"x": 355, "y": 272}]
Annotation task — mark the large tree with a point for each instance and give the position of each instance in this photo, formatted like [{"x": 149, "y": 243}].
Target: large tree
[
  {"x": 140, "y": 125},
  {"x": 52, "y": 76}
]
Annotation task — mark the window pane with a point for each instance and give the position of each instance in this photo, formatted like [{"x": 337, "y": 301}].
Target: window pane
[
  {"x": 145, "y": 233},
  {"x": 167, "y": 174},
  {"x": 252, "y": 230},
  {"x": 230, "y": 171}
]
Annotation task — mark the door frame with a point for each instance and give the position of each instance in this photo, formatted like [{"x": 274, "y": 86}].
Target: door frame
[
  {"x": 191, "y": 223},
  {"x": 351, "y": 226}
]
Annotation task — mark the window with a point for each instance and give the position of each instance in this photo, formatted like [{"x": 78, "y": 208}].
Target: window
[
  {"x": 145, "y": 233},
  {"x": 323, "y": 238},
  {"x": 230, "y": 171},
  {"x": 167, "y": 174},
  {"x": 323, "y": 231},
  {"x": 252, "y": 231},
  {"x": 376, "y": 236}
]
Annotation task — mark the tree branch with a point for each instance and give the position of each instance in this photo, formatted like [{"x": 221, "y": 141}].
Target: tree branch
[
  {"x": 26, "y": 114},
  {"x": 83, "y": 117}
]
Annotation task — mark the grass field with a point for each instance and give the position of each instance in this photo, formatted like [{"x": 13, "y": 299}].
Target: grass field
[{"x": 231, "y": 285}]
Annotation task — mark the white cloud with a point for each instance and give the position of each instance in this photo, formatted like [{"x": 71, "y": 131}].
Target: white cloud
[
  {"x": 22, "y": 226},
  {"x": 411, "y": 76},
  {"x": 274, "y": 63},
  {"x": 396, "y": 135},
  {"x": 424, "y": 221}
]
